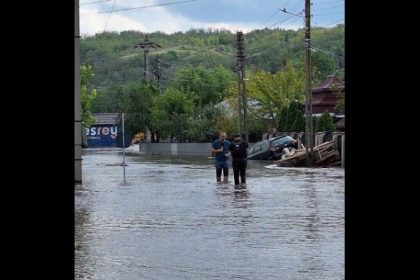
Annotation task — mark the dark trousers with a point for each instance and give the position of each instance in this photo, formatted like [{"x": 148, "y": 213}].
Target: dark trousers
[
  {"x": 239, "y": 168},
  {"x": 219, "y": 171},
  {"x": 222, "y": 165}
]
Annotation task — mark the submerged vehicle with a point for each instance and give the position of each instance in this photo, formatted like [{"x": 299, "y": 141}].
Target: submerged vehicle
[{"x": 271, "y": 149}]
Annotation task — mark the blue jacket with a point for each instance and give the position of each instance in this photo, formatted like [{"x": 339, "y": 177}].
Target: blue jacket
[{"x": 220, "y": 156}]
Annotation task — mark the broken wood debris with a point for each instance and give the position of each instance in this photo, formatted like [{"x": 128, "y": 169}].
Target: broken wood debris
[{"x": 324, "y": 155}]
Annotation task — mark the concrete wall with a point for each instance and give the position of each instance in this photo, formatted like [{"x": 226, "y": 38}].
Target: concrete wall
[
  {"x": 174, "y": 149},
  {"x": 203, "y": 149}
]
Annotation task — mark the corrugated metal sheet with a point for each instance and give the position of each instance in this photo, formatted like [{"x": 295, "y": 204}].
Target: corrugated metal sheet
[{"x": 106, "y": 118}]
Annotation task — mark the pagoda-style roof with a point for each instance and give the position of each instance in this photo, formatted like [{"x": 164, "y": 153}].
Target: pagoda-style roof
[{"x": 331, "y": 83}]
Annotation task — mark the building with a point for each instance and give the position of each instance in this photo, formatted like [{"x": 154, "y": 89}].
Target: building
[{"x": 324, "y": 97}]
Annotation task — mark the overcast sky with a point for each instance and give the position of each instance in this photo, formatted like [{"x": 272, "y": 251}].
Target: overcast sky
[{"x": 234, "y": 15}]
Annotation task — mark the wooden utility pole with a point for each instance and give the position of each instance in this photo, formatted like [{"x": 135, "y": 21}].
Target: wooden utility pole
[
  {"x": 158, "y": 72},
  {"x": 242, "y": 95},
  {"x": 309, "y": 129},
  {"x": 239, "y": 73},
  {"x": 146, "y": 45}
]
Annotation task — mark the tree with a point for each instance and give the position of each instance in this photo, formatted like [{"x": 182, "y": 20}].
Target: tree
[
  {"x": 340, "y": 102},
  {"x": 170, "y": 114},
  {"x": 86, "y": 96},
  {"x": 325, "y": 123},
  {"x": 292, "y": 118},
  {"x": 205, "y": 123},
  {"x": 117, "y": 62},
  {"x": 275, "y": 92},
  {"x": 324, "y": 64},
  {"x": 138, "y": 104},
  {"x": 206, "y": 85}
]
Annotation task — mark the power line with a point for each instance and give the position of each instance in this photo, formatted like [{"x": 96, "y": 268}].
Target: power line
[
  {"x": 269, "y": 18},
  {"x": 113, "y": 5},
  {"x": 226, "y": 53},
  {"x": 331, "y": 14},
  {"x": 296, "y": 19},
  {"x": 287, "y": 12},
  {"x": 274, "y": 24},
  {"x": 329, "y": 8},
  {"x": 329, "y": 2},
  {"x": 170, "y": 64},
  {"x": 88, "y": 3},
  {"x": 297, "y": 6},
  {"x": 143, "y": 7},
  {"x": 284, "y": 6},
  {"x": 337, "y": 21},
  {"x": 327, "y": 52}
]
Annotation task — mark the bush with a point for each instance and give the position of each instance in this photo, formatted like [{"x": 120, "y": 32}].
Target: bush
[{"x": 325, "y": 123}]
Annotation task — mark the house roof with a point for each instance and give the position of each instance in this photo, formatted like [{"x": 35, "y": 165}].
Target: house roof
[
  {"x": 331, "y": 82},
  {"x": 340, "y": 124},
  {"x": 106, "y": 118}
]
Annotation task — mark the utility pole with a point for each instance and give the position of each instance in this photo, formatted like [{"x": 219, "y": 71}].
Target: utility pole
[
  {"x": 158, "y": 72},
  {"x": 239, "y": 73},
  {"x": 77, "y": 104},
  {"x": 242, "y": 95},
  {"x": 309, "y": 130},
  {"x": 146, "y": 45}
]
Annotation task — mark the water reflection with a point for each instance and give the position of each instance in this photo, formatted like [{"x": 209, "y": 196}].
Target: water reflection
[{"x": 240, "y": 198}]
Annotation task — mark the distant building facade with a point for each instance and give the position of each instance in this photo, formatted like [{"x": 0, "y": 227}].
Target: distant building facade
[{"x": 324, "y": 97}]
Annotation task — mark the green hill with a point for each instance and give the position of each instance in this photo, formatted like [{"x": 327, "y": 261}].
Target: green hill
[{"x": 117, "y": 62}]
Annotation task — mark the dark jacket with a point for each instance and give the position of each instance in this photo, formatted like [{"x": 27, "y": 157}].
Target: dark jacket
[{"x": 238, "y": 150}]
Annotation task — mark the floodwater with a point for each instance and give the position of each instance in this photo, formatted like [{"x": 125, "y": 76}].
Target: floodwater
[{"x": 171, "y": 220}]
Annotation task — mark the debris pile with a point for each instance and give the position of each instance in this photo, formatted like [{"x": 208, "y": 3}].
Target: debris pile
[{"x": 324, "y": 155}]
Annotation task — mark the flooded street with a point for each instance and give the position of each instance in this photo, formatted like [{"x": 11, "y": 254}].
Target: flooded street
[{"x": 171, "y": 220}]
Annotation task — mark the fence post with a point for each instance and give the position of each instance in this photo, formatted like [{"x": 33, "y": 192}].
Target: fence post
[
  {"x": 319, "y": 136},
  {"x": 335, "y": 135},
  {"x": 299, "y": 139}
]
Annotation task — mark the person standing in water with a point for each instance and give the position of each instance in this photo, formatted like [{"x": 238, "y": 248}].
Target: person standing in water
[
  {"x": 239, "y": 152},
  {"x": 221, "y": 149}
]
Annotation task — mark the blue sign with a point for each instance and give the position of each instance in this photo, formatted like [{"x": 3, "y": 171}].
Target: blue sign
[{"x": 102, "y": 136}]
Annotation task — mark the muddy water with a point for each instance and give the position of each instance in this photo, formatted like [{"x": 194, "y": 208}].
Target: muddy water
[{"x": 171, "y": 220}]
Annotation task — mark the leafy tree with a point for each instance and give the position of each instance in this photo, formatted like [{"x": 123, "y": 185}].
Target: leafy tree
[
  {"x": 86, "y": 96},
  {"x": 138, "y": 107},
  {"x": 340, "y": 102},
  {"x": 292, "y": 118},
  {"x": 324, "y": 64},
  {"x": 275, "y": 92},
  {"x": 117, "y": 62},
  {"x": 200, "y": 64},
  {"x": 325, "y": 123},
  {"x": 110, "y": 99},
  {"x": 170, "y": 114},
  {"x": 205, "y": 123},
  {"x": 207, "y": 85}
]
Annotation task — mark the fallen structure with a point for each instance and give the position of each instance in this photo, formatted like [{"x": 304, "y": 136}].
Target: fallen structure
[{"x": 324, "y": 154}]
